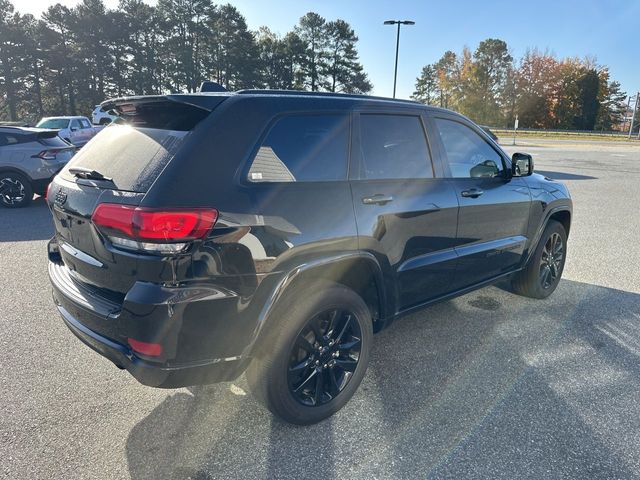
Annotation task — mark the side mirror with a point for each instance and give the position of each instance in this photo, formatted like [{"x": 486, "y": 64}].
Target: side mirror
[
  {"x": 521, "y": 165},
  {"x": 488, "y": 168},
  {"x": 74, "y": 129}
]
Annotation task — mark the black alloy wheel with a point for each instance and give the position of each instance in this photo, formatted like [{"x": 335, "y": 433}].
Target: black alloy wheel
[
  {"x": 540, "y": 277},
  {"x": 551, "y": 261},
  {"x": 314, "y": 353},
  {"x": 324, "y": 356}
]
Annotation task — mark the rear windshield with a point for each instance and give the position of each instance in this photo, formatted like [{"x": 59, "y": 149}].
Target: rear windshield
[
  {"x": 132, "y": 156},
  {"x": 55, "y": 123}
]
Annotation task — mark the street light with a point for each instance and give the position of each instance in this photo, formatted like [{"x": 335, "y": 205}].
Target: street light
[{"x": 397, "y": 22}]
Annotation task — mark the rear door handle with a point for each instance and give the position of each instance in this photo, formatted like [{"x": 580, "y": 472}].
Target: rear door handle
[
  {"x": 377, "y": 199},
  {"x": 472, "y": 193}
]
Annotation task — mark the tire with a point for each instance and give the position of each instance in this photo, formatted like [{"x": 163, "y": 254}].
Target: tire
[
  {"x": 15, "y": 190},
  {"x": 287, "y": 373},
  {"x": 105, "y": 121},
  {"x": 542, "y": 274}
]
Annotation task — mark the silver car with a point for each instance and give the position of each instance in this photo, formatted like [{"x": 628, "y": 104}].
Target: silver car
[{"x": 29, "y": 158}]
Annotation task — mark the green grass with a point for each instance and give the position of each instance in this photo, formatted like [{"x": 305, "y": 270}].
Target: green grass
[{"x": 505, "y": 134}]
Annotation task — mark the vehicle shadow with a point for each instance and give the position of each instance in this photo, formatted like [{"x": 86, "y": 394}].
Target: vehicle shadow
[
  {"x": 564, "y": 175},
  {"x": 487, "y": 385},
  {"x": 33, "y": 222}
]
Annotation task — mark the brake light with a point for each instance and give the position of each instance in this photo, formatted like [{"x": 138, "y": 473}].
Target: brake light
[
  {"x": 155, "y": 230},
  {"x": 46, "y": 193},
  {"x": 47, "y": 154},
  {"x": 150, "y": 349}
]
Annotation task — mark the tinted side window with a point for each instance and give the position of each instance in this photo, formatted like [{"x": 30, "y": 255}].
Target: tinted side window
[
  {"x": 303, "y": 148},
  {"x": 468, "y": 154},
  {"x": 393, "y": 146},
  {"x": 85, "y": 123},
  {"x": 75, "y": 123}
]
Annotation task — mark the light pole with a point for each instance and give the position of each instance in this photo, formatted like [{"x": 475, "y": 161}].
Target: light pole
[
  {"x": 397, "y": 22},
  {"x": 633, "y": 117}
]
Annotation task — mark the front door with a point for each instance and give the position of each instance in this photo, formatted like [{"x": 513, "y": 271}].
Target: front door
[
  {"x": 75, "y": 134},
  {"x": 405, "y": 216},
  {"x": 494, "y": 208}
]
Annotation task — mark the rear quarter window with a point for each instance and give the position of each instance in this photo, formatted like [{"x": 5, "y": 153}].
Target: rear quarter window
[
  {"x": 303, "y": 148},
  {"x": 8, "y": 139}
]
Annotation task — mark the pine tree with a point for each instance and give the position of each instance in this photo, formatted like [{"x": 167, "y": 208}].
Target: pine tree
[
  {"x": 312, "y": 30},
  {"x": 427, "y": 86},
  {"x": 342, "y": 70}
]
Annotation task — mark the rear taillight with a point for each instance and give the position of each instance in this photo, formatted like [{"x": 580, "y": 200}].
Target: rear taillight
[
  {"x": 153, "y": 230},
  {"x": 46, "y": 193},
  {"x": 47, "y": 154}
]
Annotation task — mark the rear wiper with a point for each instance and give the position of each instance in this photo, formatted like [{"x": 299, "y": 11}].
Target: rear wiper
[{"x": 88, "y": 174}]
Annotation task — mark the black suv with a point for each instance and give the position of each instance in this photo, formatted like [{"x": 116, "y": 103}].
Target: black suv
[{"x": 274, "y": 232}]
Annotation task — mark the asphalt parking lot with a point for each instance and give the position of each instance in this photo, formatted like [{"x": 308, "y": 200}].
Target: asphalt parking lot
[{"x": 489, "y": 385}]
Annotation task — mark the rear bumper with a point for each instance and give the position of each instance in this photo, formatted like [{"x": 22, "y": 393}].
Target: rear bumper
[
  {"x": 40, "y": 185},
  {"x": 104, "y": 326},
  {"x": 146, "y": 372}
]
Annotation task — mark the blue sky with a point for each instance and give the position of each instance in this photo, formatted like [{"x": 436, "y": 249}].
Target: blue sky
[{"x": 607, "y": 30}]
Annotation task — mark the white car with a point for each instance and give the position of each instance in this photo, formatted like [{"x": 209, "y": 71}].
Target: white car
[
  {"x": 75, "y": 130},
  {"x": 100, "y": 116}
]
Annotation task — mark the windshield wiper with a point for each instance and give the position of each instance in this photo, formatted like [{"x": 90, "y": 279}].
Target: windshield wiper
[{"x": 88, "y": 174}]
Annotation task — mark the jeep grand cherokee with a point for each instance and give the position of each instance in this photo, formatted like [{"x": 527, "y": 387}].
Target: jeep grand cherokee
[{"x": 274, "y": 232}]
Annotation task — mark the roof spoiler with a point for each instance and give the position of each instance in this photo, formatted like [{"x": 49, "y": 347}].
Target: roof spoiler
[
  {"x": 47, "y": 133},
  {"x": 128, "y": 105}
]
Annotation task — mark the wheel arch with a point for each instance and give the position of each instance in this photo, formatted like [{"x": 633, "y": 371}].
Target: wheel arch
[
  {"x": 359, "y": 271},
  {"x": 4, "y": 169},
  {"x": 562, "y": 214},
  {"x": 563, "y": 217}
]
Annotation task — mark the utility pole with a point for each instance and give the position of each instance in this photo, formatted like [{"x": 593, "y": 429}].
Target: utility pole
[
  {"x": 624, "y": 123},
  {"x": 397, "y": 22},
  {"x": 633, "y": 117}
]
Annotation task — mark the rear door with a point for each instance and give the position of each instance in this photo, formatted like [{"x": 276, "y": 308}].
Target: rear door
[
  {"x": 494, "y": 208},
  {"x": 405, "y": 215},
  {"x": 299, "y": 190}
]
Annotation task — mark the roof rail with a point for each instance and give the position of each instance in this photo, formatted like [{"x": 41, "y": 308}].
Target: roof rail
[{"x": 304, "y": 93}]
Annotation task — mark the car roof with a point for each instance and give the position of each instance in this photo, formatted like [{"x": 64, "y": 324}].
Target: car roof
[
  {"x": 333, "y": 95},
  {"x": 62, "y": 117},
  {"x": 352, "y": 97},
  {"x": 205, "y": 100}
]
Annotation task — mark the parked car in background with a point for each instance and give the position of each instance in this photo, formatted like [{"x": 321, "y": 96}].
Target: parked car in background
[
  {"x": 75, "y": 129},
  {"x": 29, "y": 158},
  {"x": 100, "y": 116},
  {"x": 276, "y": 231}
]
